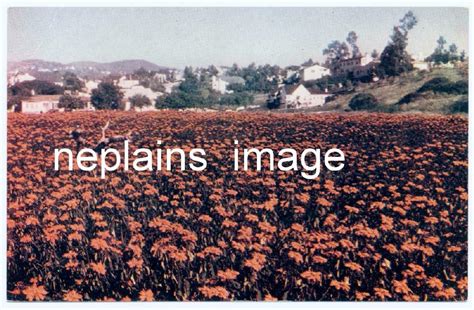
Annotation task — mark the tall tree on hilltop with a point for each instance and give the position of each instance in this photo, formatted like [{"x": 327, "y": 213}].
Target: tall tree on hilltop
[
  {"x": 394, "y": 59},
  {"x": 352, "y": 41},
  {"x": 336, "y": 51}
]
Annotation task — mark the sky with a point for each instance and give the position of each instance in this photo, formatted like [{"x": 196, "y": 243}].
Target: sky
[{"x": 177, "y": 37}]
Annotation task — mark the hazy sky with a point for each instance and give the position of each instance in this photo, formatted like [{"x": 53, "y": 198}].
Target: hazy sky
[{"x": 201, "y": 36}]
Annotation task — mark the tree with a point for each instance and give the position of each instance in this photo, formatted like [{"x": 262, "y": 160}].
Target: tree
[
  {"x": 442, "y": 55},
  {"x": 191, "y": 82},
  {"x": 69, "y": 102},
  {"x": 394, "y": 59},
  {"x": 441, "y": 42},
  {"x": 236, "y": 99},
  {"x": 352, "y": 41},
  {"x": 141, "y": 73},
  {"x": 336, "y": 51},
  {"x": 308, "y": 63},
  {"x": 274, "y": 101},
  {"x": 72, "y": 83},
  {"x": 106, "y": 96},
  {"x": 453, "y": 53},
  {"x": 234, "y": 70},
  {"x": 212, "y": 70},
  {"x": 14, "y": 102},
  {"x": 139, "y": 101},
  {"x": 39, "y": 87},
  {"x": 374, "y": 54},
  {"x": 19, "y": 90},
  {"x": 363, "y": 101}
]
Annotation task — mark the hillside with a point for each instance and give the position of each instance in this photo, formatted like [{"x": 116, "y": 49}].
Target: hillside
[
  {"x": 52, "y": 71},
  {"x": 390, "y": 91}
]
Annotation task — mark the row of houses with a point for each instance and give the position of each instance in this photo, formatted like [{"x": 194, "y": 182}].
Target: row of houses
[
  {"x": 293, "y": 96},
  {"x": 128, "y": 85},
  {"x": 297, "y": 96}
]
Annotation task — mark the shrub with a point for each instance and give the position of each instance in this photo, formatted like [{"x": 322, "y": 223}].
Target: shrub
[
  {"x": 460, "y": 106},
  {"x": 434, "y": 84},
  {"x": 409, "y": 98},
  {"x": 69, "y": 102},
  {"x": 363, "y": 101},
  {"x": 443, "y": 85},
  {"x": 139, "y": 101}
]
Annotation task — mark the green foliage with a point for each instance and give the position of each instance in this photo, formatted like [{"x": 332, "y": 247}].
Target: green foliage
[
  {"x": 236, "y": 99},
  {"x": 147, "y": 79},
  {"x": 336, "y": 51},
  {"x": 236, "y": 87},
  {"x": 436, "y": 85},
  {"x": 460, "y": 106},
  {"x": 445, "y": 55},
  {"x": 195, "y": 92},
  {"x": 180, "y": 100},
  {"x": 106, "y": 96},
  {"x": 273, "y": 102},
  {"x": 332, "y": 83},
  {"x": 443, "y": 85},
  {"x": 72, "y": 83},
  {"x": 363, "y": 101},
  {"x": 139, "y": 101},
  {"x": 409, "y": 98},
  {"x": 394, "y": 59},
  {"x": 14, "y": 101},
  {"x": 38, "y": 86},
  {"x": 69, "y": 102},
  {"x": 257, "y": 79}
]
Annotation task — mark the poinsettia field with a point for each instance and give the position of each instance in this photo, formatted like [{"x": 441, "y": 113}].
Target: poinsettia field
[{"x": 392, "y": 225}]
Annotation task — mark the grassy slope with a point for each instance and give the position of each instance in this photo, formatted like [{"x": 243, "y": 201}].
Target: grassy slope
[{"x": 390, "y": 91}]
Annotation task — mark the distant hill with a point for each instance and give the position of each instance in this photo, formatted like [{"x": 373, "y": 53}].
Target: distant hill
[{"x": 51, "y": 71}]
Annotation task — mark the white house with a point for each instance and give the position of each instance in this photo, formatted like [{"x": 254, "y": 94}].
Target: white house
[
  {"x": 313, "y": 72},
  {"x": 40, "y": 104},
  {"x": 169, "y": 86},
  {"x": 297, "y": 97},
  {"x": 160, "y": 77},
  {"x": 219, "y": 85},
  {"x": 90, "y": 85},
  {"x": 421, "y": 65},
  {"x": 124, "y": 82},
  {"x": 358, "y": 67}
]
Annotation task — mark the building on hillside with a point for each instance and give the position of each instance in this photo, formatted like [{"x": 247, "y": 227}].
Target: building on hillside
[
  {"x": 90, "y": 85},
  {"x": 20, "y": 77},
  {"x": 169, "y": 86},
  {"x": 297, "y": 96},
  {"x": 125, "y": 82},
  {"x": 40, "y": 104},
  {"x": 421, "y": 65},
  {"x": 449, "y": 65},
  {"x": 356, "y": 67},
  {"x": 219, "y": 84},
  {"x": 313, "y": 72},
  {"x": 160, "y": 77}
]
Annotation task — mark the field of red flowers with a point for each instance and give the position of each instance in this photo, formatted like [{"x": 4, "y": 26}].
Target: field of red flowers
[{"x": 392, "y": 225}]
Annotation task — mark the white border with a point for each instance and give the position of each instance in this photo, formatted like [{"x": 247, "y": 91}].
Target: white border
[{"x": 217, "y": 305}]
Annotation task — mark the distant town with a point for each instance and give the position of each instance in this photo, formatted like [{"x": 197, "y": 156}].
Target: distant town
[{"x": 36, "y": 86}]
